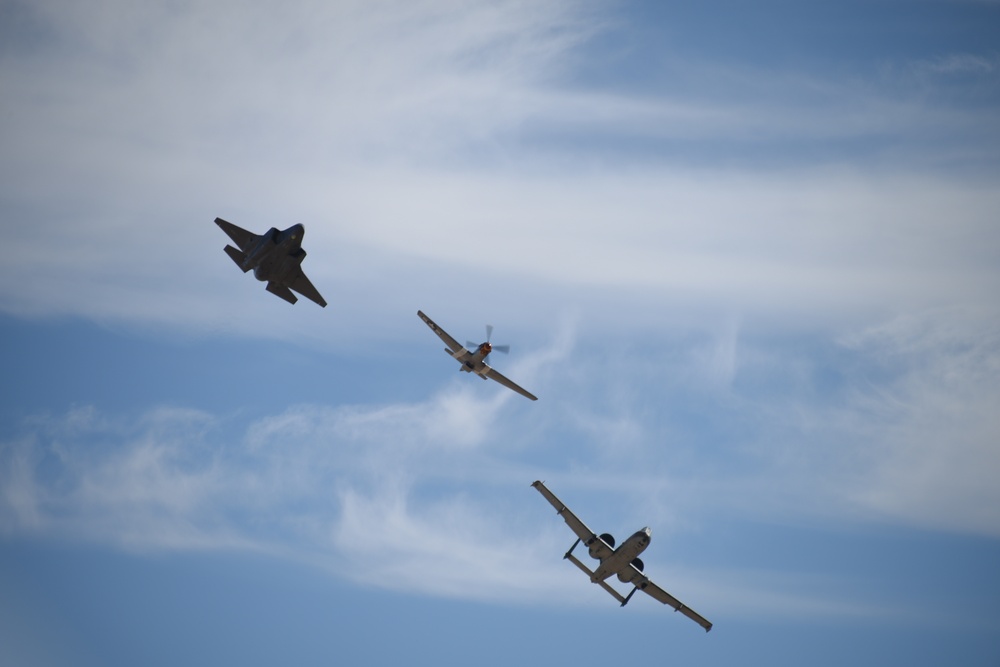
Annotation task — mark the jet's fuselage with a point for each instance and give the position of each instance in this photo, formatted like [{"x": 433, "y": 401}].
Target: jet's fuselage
[{"x": 278, "y": 255}]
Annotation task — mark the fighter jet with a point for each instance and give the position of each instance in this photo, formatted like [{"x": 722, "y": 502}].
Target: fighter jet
[
  {"x": 276, "y": 257},
  {"x": 623, "y": 561},
  {"x": 474, "y": 361}
]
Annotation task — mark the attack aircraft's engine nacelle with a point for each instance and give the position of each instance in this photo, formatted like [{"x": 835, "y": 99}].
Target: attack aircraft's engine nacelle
[
  {"x": 628, "y": 575},
  {"x": 608, "y": 539}
]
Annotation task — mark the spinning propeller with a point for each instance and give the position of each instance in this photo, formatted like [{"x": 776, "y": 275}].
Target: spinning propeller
[{"x": 490, "y": 347}]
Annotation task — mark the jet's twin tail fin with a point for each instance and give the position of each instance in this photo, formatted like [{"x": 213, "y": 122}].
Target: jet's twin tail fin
[{"x": 237, "y": 256}]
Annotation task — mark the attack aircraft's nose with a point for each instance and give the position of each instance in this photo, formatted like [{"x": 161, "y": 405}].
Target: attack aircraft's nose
[{"x": 648, "y": 531}]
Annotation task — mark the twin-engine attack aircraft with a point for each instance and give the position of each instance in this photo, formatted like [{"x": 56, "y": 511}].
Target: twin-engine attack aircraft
[
  {"x": 474, "y": 361},
  {"x": 276, "y": 257},
  {"x": 623, "y": 561}
]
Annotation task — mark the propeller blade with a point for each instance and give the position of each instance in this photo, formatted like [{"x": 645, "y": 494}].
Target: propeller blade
[
  {"x": 489, "y": 332},
  {"x": 501, "y": 348}
]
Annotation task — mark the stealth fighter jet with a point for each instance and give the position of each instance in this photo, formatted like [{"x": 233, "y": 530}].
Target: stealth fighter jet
[{"x": 276, "y": 257}]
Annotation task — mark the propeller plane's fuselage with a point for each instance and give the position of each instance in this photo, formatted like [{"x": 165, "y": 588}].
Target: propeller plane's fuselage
[{"x": 475, "y": 363}]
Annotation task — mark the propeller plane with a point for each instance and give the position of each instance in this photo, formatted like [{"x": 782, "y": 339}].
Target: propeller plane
[{"x": 473, "y": 359}]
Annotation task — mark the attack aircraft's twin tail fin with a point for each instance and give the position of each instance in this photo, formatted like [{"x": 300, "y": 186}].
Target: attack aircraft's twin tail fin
[
  {"x": 590, "y": 573},
  {"x": 237, "y": 256}
]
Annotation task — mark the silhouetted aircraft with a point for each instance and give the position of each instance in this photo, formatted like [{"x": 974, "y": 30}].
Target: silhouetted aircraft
[{"x": 276, "y": 258}]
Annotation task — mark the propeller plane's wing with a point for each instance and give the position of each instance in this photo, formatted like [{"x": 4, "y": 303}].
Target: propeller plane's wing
[
  {"x": 493, "y": 374},
  {"x": 456, "y": 348}
]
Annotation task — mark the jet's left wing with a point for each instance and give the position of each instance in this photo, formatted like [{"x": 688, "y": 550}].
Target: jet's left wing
[
  {"x": 453, "y": 344},
  {"x": 585, "y": 534},
  {"x": 493, "y": 374},
  {"x": 302, "y": 285},
  {"x": 240, "y": 236},
  {"x": 666, "y": 598}
]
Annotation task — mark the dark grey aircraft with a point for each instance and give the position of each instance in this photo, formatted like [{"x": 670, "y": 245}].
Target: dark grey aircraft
[{"x": 276, "y": 257}]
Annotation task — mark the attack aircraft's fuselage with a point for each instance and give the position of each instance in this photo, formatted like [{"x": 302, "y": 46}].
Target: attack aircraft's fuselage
[
  {"x": 620, "y": 559},
  {"x": 277, "y": 255}
]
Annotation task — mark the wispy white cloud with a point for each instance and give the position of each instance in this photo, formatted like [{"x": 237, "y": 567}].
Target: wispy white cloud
[
  {"x": 935, "y": 426},
  {"x": 403, "y": 135},
  {"x": 962, "y": 63},
  {"x": 337, "y": 488},
  {"x": 416, "y": 497}
]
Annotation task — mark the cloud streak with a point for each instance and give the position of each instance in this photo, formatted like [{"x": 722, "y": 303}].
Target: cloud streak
[
  {"x": 423, "y": 141},
  {"x": 417, "y": 497}
]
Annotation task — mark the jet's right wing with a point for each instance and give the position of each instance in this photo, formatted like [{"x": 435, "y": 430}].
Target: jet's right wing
[
  {"x": 240, "y": 236},
  {"x": 586, "y": 535},
  {"x": 306, "y": 289}
]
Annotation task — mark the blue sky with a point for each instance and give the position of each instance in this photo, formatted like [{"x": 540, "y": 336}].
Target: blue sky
[{"x": 746, "y": 256}]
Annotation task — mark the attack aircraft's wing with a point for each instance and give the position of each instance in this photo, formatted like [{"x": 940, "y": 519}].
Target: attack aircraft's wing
[
  {"x": 442, "y": 334},
  {"x": 241, "y": 237},
  {"x": 666, "y": 598},
  {"x": 302, "y": 285},
  {"x": 493, "y": 374},
  {"x": 580, "y": 528}
]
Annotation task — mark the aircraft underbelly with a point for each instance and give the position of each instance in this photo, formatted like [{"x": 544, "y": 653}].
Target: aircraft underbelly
[{"x": 619, "y": 560}]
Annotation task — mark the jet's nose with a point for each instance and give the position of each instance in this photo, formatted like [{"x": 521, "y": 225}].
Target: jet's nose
[
  {"x": 295, "y": 232},
  {"x": 648, "y": 531}
]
